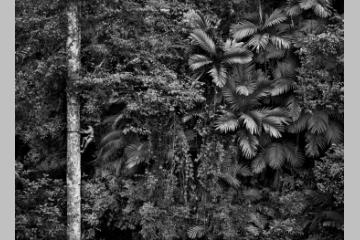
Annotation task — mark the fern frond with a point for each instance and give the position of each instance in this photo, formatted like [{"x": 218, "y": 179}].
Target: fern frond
[{"x": 204, "y": 41}]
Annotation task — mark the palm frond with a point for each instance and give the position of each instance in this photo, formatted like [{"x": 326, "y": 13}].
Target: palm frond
[
  {"x": 300, "y": 124},
  {"x": 293, "y": 11},
  {"x": 201, "y": 21},
  {"x": 242, "y": 170},
  {"x": 314, "y": 144},
  {"x": 227, "y": 122},
  {"x": 196, "y": 232},
  {"x": 275, "y": 155},
  {"x": 259, "y": 41},
  {"x": 248, "y": 144},
  {"x": 242, "y": 90},
  {"x": 321, "y": 11},
  {"x": 280, "y": 42},
  {"x": 258, "y": 164},
  {"x": 249, "y": 123},
  {"x": 230, "y": 180},
  {"x": 243, "y": 29},
  {"x": 281, "y": 86},
  {"x": 333, "y": 133},
  {"x": 271, "y": 130},
  {"x": 136, "y": 153},
  {"x": 307, "y": 4},
  {"x": 293, "y": 108},
  {"x": 237, "y": 55},
  {"x": 197, "y": 61},
  {"x": 201, "y": 38},
  {"x": 318, "y": 122},
  {"x": 110, "y": 149},
  {"x": 292, "y": 155},
  {"x": 113, "y": 135},
  {"x": 219, "y": 75},
  {"x": 276, "y": 17}
]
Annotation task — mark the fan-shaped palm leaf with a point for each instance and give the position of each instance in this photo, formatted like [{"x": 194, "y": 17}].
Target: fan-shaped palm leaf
[
  {"x": 227, "y": 122},
  {"x": 275, "y": 155},
  {"x": 333, "y": 133},
  {"x": 248, "y": 144},
  {"x": 318, "y": 122}
]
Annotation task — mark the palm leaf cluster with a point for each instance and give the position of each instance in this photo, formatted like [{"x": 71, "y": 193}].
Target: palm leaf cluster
[
  {"x": 320, "y": 130},
  {"x": 253, "y": 123},
  {"x": 264, "y": 32},
  {"x": 216, "y": 60},
  {"x": 321, "y": 8}
]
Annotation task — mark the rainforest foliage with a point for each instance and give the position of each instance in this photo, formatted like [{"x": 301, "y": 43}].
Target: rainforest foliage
[{"x": 213, "y": 119}]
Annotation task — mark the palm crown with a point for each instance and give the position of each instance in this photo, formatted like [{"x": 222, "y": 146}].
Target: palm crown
[{"x": 265, "y": 31}]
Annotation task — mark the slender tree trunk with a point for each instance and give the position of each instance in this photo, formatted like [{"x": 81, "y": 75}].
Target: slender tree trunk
[{"x": 73, "y": 177}]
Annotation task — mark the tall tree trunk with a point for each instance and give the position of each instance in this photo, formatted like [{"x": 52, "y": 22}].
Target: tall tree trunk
[{"x": 73, "y": 177}]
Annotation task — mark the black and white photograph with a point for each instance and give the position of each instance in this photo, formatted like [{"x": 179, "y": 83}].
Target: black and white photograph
[{"x": 179, "y": 120}]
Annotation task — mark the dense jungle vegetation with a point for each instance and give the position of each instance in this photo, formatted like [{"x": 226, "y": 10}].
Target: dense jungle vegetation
[{"x": 212, "y": 119}]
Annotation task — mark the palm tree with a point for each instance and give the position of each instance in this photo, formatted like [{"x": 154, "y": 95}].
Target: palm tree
[
  {"x": 216, "y": 60},
  {"x": 253, "y": 124},
  {"x": 266, "y": 31}
]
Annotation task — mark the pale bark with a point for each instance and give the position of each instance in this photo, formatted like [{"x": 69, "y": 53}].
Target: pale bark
[{"x": 73, "y": 177}]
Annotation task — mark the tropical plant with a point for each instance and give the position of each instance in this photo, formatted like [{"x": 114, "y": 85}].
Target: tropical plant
[
  {"x": 214, "y": 60},
  {"x": 267, "y": 31}
]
